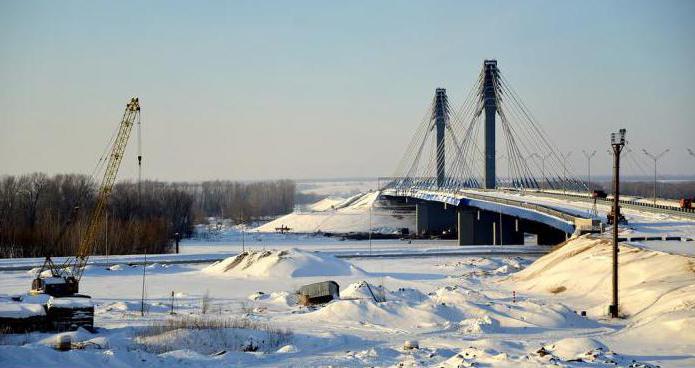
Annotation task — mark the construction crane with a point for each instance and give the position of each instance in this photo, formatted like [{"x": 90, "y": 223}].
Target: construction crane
[{"x": 63, "y": 279}]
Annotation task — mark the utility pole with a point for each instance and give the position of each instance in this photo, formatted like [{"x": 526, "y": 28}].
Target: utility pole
[
  {"x": 106, "y": 236},
  {"x": 655, "y": 158},
  {"x": 565, "y": 156},
  {"x": 589, "y": 156},
  {"x": 370, "y": 227},
  {"x": 618, "y": 143}
]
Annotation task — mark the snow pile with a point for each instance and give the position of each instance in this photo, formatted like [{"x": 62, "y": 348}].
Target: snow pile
[
  {"x": 389, "y": 314},
  {"x": 568, "y": 352},
  {"x": 125, "y": 306},
  {"x": 326, "y": 204},
  {"x": 657, "y": 290},
  {"x": 574, "y": 347},
  {"x": 282, "y": 264},
  {"x": 365, "y": 290},
  {"x": 283, "y": 298},
  {"x": 355, "y": 214}
]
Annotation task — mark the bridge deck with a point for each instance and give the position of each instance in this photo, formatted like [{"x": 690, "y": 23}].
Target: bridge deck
[{"x": 646, "y": 222}]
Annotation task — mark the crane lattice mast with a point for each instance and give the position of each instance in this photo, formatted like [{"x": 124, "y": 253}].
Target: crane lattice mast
[{"x": 72, "y": 269}]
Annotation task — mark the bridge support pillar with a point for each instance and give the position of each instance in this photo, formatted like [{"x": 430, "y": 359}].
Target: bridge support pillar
[
  {"x": 434, "y": 218},
  {"x": 546, "y": 235},
  {"x": 480, "y": 227},
  {"x": 551, "y": 236}
]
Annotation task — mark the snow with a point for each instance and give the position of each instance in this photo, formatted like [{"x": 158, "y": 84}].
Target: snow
[
  {"x": 657, "y": 290},
  {"x": 359, "y": 213},
  {"x": 495, "y": 310},
  {"x": 574, "y": 347},
  {"x": 326, "y": 204},
  {"x": 10, "y": 309},
  {"x": 282, "y": 263},
  {"x": 70, "y": 302}
]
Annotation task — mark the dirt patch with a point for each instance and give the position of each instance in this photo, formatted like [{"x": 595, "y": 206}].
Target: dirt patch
[{"x": 557, "y": 289}]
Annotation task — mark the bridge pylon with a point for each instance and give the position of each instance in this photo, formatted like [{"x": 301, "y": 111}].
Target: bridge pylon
[
  {"x": 460, "y": 151},
  {"x": 440, "y": 116},
  {"x": 490, "y": 104}
]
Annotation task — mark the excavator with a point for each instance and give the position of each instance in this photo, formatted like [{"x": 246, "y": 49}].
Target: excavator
[{"x": 59, "y": 282}]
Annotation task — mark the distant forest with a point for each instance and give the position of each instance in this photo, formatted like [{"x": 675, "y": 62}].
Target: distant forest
[
  {"x": 671, "y": 189},
  {"x": 34, "y": 208}
]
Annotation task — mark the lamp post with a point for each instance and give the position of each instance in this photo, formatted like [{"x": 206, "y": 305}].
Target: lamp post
[
  {"x": 655, "y": 158},
  {"x": 589, "y": 156},
  {"x": 500, "y": 158},
  {"x": 617, "y": 142},
  {"x": 542, "y": 158}
]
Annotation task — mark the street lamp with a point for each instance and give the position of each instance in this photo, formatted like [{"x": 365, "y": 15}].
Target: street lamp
[
  {"x": 618, "y": 143},
  {"x": 655, "y": 158},
  {"x": 589, "y": 156},
  {"x": 542, "y": 158},
  {"x": 500, "y": 158}
]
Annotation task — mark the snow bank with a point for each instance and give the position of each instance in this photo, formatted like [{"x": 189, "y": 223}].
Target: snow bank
[
  {"x": 391, "y": 314},
  {"x": 657, "y": 290},
  {"x": 574, "y": 347},
  {"x": 364, "y": 290},
  {"x": 326, "y": 204},
  {"x": 349, "y": 215},
  {"x": 282, "y": 264}
]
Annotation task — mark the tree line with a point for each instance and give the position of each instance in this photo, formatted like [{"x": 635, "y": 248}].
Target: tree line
[
  {"x": 669, "y": 190},
  {"x": 140, "y": 217},
  {"x": 242, "y": 201}
]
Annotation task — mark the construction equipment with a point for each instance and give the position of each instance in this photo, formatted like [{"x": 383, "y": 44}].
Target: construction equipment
[
  {"x": 610, "y": 218},
  {"x": 61, "y": 281}
]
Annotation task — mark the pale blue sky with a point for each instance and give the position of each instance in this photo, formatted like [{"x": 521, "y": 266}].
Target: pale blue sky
[{"x": 248, "y": 90}]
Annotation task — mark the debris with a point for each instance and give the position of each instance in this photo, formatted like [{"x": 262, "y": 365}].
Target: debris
[{"x": 410, "y": 345}]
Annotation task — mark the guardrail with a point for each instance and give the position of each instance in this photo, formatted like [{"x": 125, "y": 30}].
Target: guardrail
[{"x": 650, "y": 207}]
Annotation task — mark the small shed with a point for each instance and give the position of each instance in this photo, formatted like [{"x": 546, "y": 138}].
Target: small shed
[{"x": 319, "y": 293}]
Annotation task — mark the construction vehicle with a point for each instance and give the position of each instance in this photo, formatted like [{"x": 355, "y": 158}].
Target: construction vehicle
[
  {"x": 611, "y": 217},
  {"x": 60, "y": 281},
  {"x": 599, "y": 194}
]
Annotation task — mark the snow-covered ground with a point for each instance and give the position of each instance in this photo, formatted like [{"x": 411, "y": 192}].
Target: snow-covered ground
[
  {"x": 459, "y": 311},
  {"x": 358, "y": 213}
]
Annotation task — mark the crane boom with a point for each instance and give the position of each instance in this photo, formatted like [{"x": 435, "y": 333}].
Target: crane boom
[
  {"x": 88, "y": 242},
  {"x": 72, "y": 269}
]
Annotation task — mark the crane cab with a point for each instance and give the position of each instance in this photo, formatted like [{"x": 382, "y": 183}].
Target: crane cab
[{"x": 57, "y": 286}]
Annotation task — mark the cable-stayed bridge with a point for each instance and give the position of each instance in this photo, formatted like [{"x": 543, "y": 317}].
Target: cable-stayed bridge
[{"x": 451, "y": 171}]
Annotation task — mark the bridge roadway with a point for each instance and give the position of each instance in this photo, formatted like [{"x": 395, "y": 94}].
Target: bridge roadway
[
  {"x": 565, "y": 219},
  {"x": 567, "y": 212}
]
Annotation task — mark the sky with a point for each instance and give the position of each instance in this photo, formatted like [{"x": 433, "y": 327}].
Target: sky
[{"x": 247, "y": 90}]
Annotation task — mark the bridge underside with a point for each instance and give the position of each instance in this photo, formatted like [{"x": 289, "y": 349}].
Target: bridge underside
[{"x": 479, "y": 226}]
